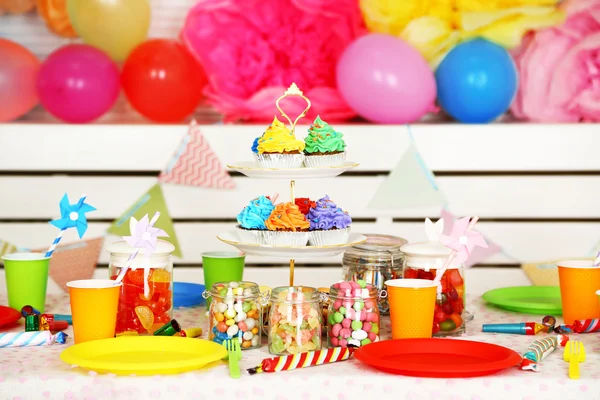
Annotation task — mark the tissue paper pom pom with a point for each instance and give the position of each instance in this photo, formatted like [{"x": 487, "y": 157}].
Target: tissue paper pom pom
[
  {"x": 253, "y": 50},
  {"x": 558, "y": 68}
]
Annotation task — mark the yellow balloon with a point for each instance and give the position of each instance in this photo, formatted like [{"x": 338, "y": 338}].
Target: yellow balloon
[{"x": 113, "y": 26}]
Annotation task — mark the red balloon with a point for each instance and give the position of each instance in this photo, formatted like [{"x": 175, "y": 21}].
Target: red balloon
[{"x": 162, "y": 80}]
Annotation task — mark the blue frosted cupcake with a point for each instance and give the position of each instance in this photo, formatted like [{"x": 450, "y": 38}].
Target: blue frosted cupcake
[{"x": 251, "y": 220}]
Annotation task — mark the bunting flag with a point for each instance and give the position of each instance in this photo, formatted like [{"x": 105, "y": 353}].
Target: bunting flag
[
  {"x": 410, "y": 184},
  {"x": 479, "y": 254},
  {"x": 544, "y": 273},
  {"x": 74, "y": 261},
  {"x": 196, "y": 164},
  {"x": 7, "y": 248},
  {"x": 150, "y": 203}
]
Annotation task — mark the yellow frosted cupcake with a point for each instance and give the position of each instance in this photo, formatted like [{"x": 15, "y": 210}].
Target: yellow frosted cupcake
[{"x": 279, "y": 148}]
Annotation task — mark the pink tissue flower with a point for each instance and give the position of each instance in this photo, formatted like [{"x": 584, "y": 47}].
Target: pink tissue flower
[
  {"x": 252, "y": 50},
  {"x": 560, "y": 68}
]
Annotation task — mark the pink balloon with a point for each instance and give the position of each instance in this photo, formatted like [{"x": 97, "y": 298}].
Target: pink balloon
[
  {"x": 78, "y": 83},
  {"x": 18, "y": 73},
  {"x": 385, "y": 80}
]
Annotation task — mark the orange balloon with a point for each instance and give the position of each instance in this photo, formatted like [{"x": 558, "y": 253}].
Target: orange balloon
[
  {"x": 54, "y": 12},
  {"x": 16, "y": 6}
]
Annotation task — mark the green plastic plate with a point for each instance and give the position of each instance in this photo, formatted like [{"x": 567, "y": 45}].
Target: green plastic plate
[{"x": 542, "y": 300}]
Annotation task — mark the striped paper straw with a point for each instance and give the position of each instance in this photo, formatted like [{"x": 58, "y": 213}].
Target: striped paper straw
[
  {"x": 60, "y": 233},
  {"x": 23, "y": 339}
]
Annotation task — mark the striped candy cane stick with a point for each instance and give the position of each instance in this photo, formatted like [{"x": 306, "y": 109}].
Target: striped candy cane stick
[
  {"x": 60, "y": 233},
  {"x": 26, "y": 339},
  {"x": 303, "y": 360}
]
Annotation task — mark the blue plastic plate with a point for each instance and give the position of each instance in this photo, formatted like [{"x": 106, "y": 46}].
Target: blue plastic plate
[{"x": 187, "y": 294}]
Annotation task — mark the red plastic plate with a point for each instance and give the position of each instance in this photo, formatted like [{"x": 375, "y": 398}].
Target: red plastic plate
[
  {"x": 437, "y": 358},
  {"x": 8, "y": 316}
]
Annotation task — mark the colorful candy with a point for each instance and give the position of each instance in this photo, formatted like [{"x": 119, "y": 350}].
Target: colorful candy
[
  {"x": 27, "y": 339},
  {"x": 295, "y": 320},
  {"x": 302, "y": 360},
  {"x": 580, "y": 326},
  {"x": 138, "y": 312},
  {"x": 191, "y": 332},
  {"x": 235, "y": 312},
  {"x": 353, "y": 316},
  {"x": 539, "y": 350}
]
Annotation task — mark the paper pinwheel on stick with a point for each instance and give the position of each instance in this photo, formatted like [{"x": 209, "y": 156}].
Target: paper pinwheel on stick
[
  {"x": 143, "y": 236},
  {"x": 71, "y": 216}
]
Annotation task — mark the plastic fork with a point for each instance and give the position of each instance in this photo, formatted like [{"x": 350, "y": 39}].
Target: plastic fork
[
  {"x": 574, "y": 354},
  {"x": 234, "y": 354}
]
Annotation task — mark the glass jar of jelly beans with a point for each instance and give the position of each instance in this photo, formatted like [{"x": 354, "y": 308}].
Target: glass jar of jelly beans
[
  {"x": 375, "y": 261},
  {"x": 353, "y": 317},
  {"x": 295, "y": 320},
  {"x": 235, "y": 313},
  {"x": 146, "y": 298},
  {"x": 422, "y": 261}
]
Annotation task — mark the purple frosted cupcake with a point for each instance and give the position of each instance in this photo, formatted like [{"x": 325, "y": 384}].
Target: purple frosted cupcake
[{"x": 329, "y": 224}]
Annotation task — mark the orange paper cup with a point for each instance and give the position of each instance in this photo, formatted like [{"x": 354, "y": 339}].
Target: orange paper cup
[
  {"x": 579, "y": 281},
  {"x": 94, "y": 304},
  {"x": 412, "y": 302}
]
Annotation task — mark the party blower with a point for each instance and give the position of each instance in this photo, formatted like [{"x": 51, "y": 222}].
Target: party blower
[{"x": 522, "y": 328}]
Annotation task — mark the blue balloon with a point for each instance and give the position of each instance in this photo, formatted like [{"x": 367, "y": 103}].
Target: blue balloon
[{"x": 476, "y": 81}]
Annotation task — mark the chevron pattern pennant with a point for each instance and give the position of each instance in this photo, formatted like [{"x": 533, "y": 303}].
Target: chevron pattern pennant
[{"x": 196, "y": 164}]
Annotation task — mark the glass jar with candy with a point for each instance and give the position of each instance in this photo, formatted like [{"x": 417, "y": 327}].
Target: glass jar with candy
[
  {"x": 146, "y": 299},
  {"x": 295, "y": 320},
  {"x": 375, "y": 261},
  {"x": 353, "y": 315},
  {"x": 422, "y": 261},
  {"x": 235, "y": 313}
]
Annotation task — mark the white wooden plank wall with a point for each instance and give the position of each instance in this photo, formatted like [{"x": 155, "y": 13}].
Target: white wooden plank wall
[{"x": 535, "y": 187}]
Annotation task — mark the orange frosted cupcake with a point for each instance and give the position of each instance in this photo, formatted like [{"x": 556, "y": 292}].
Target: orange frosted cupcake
[{"x": 287, "y": 226}]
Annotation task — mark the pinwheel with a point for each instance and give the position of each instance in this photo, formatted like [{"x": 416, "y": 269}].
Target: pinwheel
[
  {"x": 143, "y": 236},
  {"x": 71, "y": 216}
]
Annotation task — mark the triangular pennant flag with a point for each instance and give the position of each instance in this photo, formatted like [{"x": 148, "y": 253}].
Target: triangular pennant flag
[
  {"x": 196, "y": 164},
  {"x": 410, "y": 184},
  {"x": 74, "y": 261},
  {"x": 544, "y": 273},
  {"x": 150, "y": 203},
  {"x": 479, "y": 254},
  {"x": 6, "y": 248}
]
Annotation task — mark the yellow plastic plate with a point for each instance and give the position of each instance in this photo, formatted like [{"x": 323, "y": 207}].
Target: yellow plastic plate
[{"x": 144, "y": 355}]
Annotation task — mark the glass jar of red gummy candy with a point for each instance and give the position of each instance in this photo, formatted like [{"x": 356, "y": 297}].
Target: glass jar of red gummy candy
[
  {"x": 146, "y": 300},
  {"x": 295, "y": 320},
  {"x": 422, "y": 261},
  {"x": 353, "y": 315},
  {"x": 236, "y": 312}
]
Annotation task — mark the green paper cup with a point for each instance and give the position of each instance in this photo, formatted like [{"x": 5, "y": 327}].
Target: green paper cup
[
  {"x": 26, "y": 279},
  {"x": 222, "y": 266}
]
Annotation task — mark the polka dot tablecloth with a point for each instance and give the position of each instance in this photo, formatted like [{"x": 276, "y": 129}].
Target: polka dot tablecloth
[{"x": 38, "y": 373}]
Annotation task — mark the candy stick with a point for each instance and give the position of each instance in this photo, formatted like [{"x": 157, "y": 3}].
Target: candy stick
[
  {"x": 302, "y": 360},
  {"x": 26, "y": 339},
  {"x": 133, "y": 255},
  {"x": 73, "y": 216},
  {"x": 539, "y": 350}
]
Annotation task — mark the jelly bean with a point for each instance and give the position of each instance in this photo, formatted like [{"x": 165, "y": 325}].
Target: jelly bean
[
  {"x": 366, "y": 327},
  {"x": 342, "y": 310},
  {"x": 350, "y": 313},
  {"x": 439, "y": 316},
  {"x": 232, "y": 330},
  {"x": 255, "y": 341},
  {"x": 338, "y": 317},
  {"x": 374, "y": 328},
  {"x": 337, "y": 304},
  {"x": 346, "y": 323},
  {"x": 345, "y": 286},
  {"x": 250, "y": 323},
  {"x": 345, "y": 333},
  {"x": 246, "y": 344},
  {"x": 372, "y": 336},
  {"x": 222, "y": 327},
  {"x": 454, "y": 277},
  {"x": 229, "y": 322},
  {"x": 356, "y": 325},
  {"x": 359, "y": 335},
  {"x": 365, "y": 342},
  {"x": 447, "y": 308},
  {"x": 343, "y": 343},
  {"x": 214, "y": 329},
  {"x": 458, "y": 321},
  {"x": 359, "y": 305},
  {"x": 369, "y": 304},
  {"x": 334, "y": 341},
  {"x": 436, "y": 327},
  {"x": 330, "y": 318},
  {"x": 447, "y": 325},
  {"x": 361, "y": 283},
  {"x": 353, "y": 342},
  {"x": 248, "y": 335},
  {"x": 452, "y": 293},
  {"x": 219, "y": 316},
  {"x": 254, "y": 330},
  {"x": 240, "y": 317},
  {"x": 230, "y": 313},
  {"x": 243, "y": 326},
  {"x": 362, "y": 315},
  {"x": 335, "y": 329},
  {"x": 442, "y": 298},
  {"x": 237, "y": 307},
  {"x": 457, "y": 306},
  {"x": 247, "y": 306},
  {"x": 221, "y": 307}
]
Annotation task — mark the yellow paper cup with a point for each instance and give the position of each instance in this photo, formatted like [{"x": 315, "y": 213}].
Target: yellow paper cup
[
  {"x": 579, "y": 281},
  {"x": 94, "y": 304},
  {"x": 412, "y": 302}
]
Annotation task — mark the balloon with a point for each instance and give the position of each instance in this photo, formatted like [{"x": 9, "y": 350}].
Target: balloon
[
  {"x": 78, "y": 83},
  {"x": 113, "y": 26},
  {"x": 54, "y": 12},
  {"x": 162, "y": 80},
  {"x": 385, "y": 80},
  {"x": 18, "y": 73},
  {"x": 476, "y": 81}
]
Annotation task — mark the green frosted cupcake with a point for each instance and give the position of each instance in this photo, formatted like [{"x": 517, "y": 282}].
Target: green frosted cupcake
[{"x": 324, "y": 146}]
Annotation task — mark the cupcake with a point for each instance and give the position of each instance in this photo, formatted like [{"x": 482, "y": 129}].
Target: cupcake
[
  {"x": 279, "y": 148},
  {"x": 254, "y": 148},
  {"x": 324, "y": 146},
  {"x": 304, "y": 204},
  {"x": 287, "y": 226},
  {"x": 329, "y": 224},
  {"x": 252, "y": 219}
]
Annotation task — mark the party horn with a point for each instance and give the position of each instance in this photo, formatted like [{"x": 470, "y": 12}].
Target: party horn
[{"x": 522, "y": 328}]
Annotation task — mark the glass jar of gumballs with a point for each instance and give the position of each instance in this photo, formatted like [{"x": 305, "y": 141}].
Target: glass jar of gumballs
[
  {"x": 422, "y": 261},
  {"x": 295, "y": 320},
  {"x": 235, "y": 312},
  {"x": 146, "y": 298},
  {"x": 375, "y": 261},
  {"x": 353, "y": 315}
]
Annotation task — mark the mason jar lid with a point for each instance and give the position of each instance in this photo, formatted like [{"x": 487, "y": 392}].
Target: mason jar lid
[
  {"x": 163, "y": 248},
  {"x": 238, "y": 289},
  {"x": 381, "y": 243},
  {"x": 295, "y": 295},
  {"x": 427, "y": 249}
]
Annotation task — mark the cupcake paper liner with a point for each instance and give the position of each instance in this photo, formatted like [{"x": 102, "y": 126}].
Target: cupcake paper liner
[
  {"x": 329, "y": 237},
  {"x": 254, "y": 236},
  {"x": 331, "y": 160},
  {"x": 280, "y": 160},
  {"x": 285, "y": 238}
]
